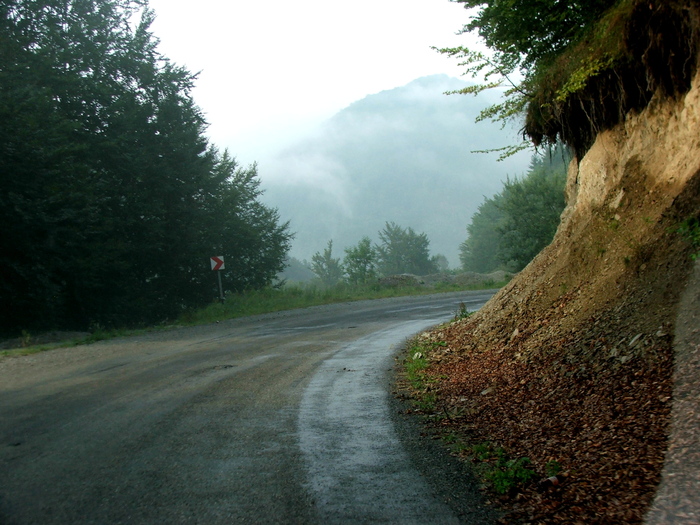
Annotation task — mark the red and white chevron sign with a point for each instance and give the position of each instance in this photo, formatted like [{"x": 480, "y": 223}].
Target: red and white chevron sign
[{"x": 217, "y": 263}]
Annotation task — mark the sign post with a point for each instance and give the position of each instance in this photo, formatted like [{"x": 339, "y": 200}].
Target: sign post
[{"x": 217, "y": 264}]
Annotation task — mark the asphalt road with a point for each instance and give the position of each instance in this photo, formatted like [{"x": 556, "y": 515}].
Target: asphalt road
[{"x": 281, "y": 418}]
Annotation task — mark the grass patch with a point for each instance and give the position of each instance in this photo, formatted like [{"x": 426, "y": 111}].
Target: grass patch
[
  {"x": 690, "y": 230},
  {"x": 462, "y": 312},
  {"x": 29, "y": 345},
  {"x": 420, "y": 382},
  {"x": 268, "y": 300},
  {"x": 503, "y": 474},
  {"x": 296, "y": 296}
]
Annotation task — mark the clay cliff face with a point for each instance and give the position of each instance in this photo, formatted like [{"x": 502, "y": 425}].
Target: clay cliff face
[{"x": 625, "y": 199}]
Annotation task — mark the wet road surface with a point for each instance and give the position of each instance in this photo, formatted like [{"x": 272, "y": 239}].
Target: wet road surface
[{"x": 282, "y": 418}]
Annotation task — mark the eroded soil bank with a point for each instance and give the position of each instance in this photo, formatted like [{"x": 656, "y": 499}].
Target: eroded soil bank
[{"x": 573, "y": 361}]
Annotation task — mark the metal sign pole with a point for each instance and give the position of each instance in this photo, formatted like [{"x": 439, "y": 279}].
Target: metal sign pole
[{"x": 221, "y": 289}]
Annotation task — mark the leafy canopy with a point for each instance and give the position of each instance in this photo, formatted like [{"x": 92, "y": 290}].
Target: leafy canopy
[
  {"x": 524, "y": 38},
  {"x": 402, "y": 250},
  {"x": 361, "y": 262},
  {"x": 111, "y": 198},
  {"x": 328, "y": 268},
  {"x": 509, "y": 229}
]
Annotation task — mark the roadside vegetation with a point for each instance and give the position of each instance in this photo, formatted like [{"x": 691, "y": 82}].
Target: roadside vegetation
[
  {"x": 510, "y": 228},
  {"x": 498, "y": 471},
  {"x": 254, "y": 302},
  {"x": 399, "y": 251},
  {"x": 305, "y": 295},
  {"x": 112, "y": 198}
]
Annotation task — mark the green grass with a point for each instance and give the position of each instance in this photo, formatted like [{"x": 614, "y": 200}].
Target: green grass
[
  {"x": 690, "y": 230},
  {"x": 502, "y": 473},
  {"x": 415, "y": 366},
  {"x": 254, "y": 302},
  {"x": 303, "y": 296},
  {"x": 98, "y": 334}
]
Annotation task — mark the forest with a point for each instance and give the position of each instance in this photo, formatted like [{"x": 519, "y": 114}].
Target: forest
[{"x": 112, "y": 199}]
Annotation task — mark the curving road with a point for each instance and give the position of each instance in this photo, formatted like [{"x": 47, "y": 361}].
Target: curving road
[{"x": 281, "y": 418}]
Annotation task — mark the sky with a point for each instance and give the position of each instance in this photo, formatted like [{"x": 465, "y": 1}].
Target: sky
[{"x": 271, "y": 71}]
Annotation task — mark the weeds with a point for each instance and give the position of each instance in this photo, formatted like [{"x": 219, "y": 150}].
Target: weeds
[
  {"x": 462, "y": 312},
  {"x": 552, "y": 468},
  {"x": 501, "y": 472},
  {"x": 415, "y": 366},
  {"x": 690, "y": 230},
  {"x": 510, "y": 474}
]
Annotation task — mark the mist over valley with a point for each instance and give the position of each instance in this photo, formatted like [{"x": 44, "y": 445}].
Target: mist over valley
[{"x": 404, "y": 155}]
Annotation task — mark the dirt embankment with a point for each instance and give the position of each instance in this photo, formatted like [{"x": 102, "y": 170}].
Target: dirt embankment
[{"x": 573, "y": 361}]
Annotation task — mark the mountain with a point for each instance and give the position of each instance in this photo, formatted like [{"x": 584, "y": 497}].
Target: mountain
[{"x": 403, "y": 155}]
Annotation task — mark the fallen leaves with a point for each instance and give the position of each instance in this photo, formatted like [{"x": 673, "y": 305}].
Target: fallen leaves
[{"x": 568, "y": 398}]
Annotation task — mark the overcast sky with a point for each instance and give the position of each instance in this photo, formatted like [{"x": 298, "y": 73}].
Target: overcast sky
[{"x": 272, "y": 70}]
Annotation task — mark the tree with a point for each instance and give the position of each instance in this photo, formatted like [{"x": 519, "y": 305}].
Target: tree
[
  {"x": 524, "y": 33},
  {"x": 532, "y": 208},
  {"x": 479, "y": 252},
  {"x": 440, "y": 262},
  {"x": 513, "y": 226},
  {"x": 326, "y": 267},
  {"x": 111, "y": 197},
  {"x": 525, "y": 37},
  {"x": 361, "y": 262},
  {"x": 402, "y": 250}
]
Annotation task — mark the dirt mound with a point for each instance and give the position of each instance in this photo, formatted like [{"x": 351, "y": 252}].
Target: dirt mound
[{"x": 571, "y": 363}]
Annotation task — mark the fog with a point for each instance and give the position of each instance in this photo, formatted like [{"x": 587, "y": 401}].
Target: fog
[{"x": 403, "y": 155}]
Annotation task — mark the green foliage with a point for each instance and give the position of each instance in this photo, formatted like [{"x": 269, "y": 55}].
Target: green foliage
[
  {"x": 440, "y": 262},
  {"x": 513, "y": 226},
  {"x": 510, "y": 474},
  {"x": 479, "y": 252},
  {"x": 525, "y": 38},
  {"x": 532, "y": 207},
  {"x": 503, "y": 473},
  {"x": 326, "y": 267},
  {"x": 524, "y": 33},
  {"x": 402, "y": 250},
  {"x": 690, "y": 230},
  {"x": 361, "y": 262},
  {"x": 115, "y": 198},
  {"x": 462, "y": 312},
  {"x": 552, "y": 468},
  {"x": 296, "y": 271},
  {"x": 416, "y": 364}
]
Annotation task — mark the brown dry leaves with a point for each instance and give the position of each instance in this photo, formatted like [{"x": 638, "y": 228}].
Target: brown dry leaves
[{"x": 596, "y": 400}]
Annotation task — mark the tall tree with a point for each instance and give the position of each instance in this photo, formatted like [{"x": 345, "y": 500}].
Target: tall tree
[
  {"x": 510, "y": 228},
  {"x": 402, "y": 250},
  {"x": 328, "y": 268},
  {"x": 479, "y": 252},
  {"x": 532, "y": 208},
  {"x": 111, "y": 197},
  {"x": 361, "y": 262}
]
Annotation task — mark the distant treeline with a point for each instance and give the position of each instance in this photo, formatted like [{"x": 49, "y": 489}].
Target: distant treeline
[
  {"x": 112, "y": 200},
  {"x": 513, "y": 226},
  {"x": 400, "y": 250}
]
